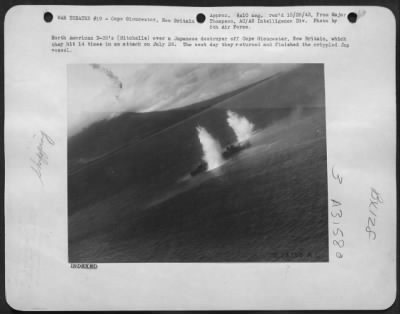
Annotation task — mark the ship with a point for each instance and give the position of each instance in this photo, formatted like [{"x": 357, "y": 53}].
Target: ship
[
  {"x": 234, "y": 149},
  {"x": 228, "y": 152},
  {"x": 201, "y": 167}
]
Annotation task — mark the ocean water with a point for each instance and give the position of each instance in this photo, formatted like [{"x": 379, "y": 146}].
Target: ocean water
[{"x": 268, "y": 203}]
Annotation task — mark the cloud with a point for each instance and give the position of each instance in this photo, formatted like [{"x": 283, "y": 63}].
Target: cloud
[{"x": 149, "y": 87}]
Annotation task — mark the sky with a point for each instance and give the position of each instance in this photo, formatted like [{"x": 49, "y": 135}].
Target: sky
[{"x": 95, "y": 93}]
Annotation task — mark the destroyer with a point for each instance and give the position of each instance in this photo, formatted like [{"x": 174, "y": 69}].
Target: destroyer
[{"x": 228, "y": 152}]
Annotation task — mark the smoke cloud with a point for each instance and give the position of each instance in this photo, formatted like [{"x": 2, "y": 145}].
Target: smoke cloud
[
  {"x": 212, "y": 151},
  {"x": 117, "y": 84},
  {"x": 242, "y": 127}
]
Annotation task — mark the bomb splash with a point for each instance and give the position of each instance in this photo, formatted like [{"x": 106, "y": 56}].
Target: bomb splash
[
  {"x": 213, "y": 154},
  {"x": 242, "y": 127},
  {"x": 212, "y": 151},
  {"x": 117, "y": 84}
]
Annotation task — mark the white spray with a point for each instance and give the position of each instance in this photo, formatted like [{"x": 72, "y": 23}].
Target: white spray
[
  {"x": 212, "y": 151},
  {"x": 242, "y": 127}
]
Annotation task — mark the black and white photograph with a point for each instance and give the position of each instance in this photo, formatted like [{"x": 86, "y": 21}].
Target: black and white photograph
[
  {"x": 197, "y": 163},
  {"x": 179, "y": 158}
]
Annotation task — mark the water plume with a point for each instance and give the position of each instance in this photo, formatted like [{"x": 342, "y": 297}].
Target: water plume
[
  {"x": 242, "y": 127},
  {"x": 212, "y": 151}
]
